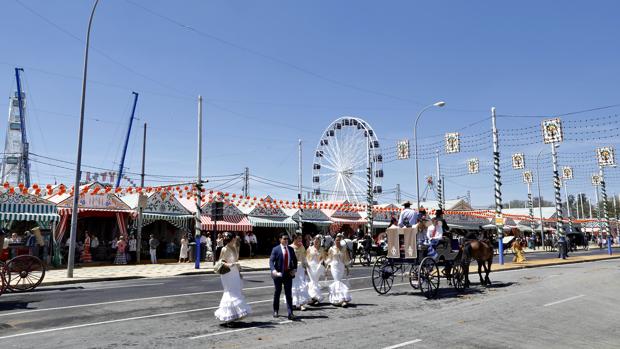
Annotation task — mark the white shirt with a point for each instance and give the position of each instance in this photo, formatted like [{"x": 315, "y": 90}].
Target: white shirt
[
  {"x": 253, "y": 239},
  {"x": 408, "y": 214},
  {"x": 94, "y": 242},
  {"x": 437, "y": 230},
  {"x": 203, "y": 239},
  {"x": 132, "y": 244}
]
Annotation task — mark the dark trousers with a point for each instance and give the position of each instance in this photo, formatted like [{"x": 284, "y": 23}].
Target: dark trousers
[
  {"x": 562, "y": 253},
  {"x": 287, "y": 281}
]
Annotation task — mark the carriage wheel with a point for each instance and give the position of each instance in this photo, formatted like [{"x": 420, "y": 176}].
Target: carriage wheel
[
  {"x": 383, "y": 275},
  {"x": 414, "y": 279},
  {"x": 24, "y": 273},
  {"x": 2, "y": 282},
  {"x": 458, "y": 277},
  {"x": 429, "y": 277}
]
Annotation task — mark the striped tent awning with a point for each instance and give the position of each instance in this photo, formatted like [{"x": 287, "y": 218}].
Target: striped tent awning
[
  {"x": 28, "y": 212},
  {"x": 230, "y": 223},
  {"x": 317, "y": 222},
  {"x": 179, "y": 221},
  {"x": 24, "y": 216},
  {"x": 359, "y": 221},
  {"x": 272, "y": 222},
  {"x": 67, "y": 210}
]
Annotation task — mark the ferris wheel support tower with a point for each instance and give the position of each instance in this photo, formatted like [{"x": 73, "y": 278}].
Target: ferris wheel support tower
[{"x": 15, "y": 162}]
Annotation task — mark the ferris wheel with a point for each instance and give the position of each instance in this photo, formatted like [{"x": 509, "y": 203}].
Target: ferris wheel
[{"x": 347, "y": 162}]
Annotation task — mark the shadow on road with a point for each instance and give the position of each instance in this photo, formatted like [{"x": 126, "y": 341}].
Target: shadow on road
[
  {"x": 311, "y": 317},
  {"x": 501, "y": 284},
  {"x": 13, "y": 305},
  {"x": 247, "y": 324}
]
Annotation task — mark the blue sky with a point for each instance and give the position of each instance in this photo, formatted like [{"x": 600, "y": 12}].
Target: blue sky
[{"x": 275, "y": 71}]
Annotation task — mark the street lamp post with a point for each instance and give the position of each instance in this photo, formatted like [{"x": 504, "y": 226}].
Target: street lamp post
[
  {"x": 78, "y": 164},
  {"x": 415, "y": 142}
]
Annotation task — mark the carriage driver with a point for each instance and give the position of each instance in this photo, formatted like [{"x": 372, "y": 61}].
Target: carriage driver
[
  {"x": 408, "y": 216},
  {"x": 434, "y": 234}
]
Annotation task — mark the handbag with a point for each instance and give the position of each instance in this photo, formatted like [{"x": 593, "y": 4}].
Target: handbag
[{"x": 221, "y": 267}]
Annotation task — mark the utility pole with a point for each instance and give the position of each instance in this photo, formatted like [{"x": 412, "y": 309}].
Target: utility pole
[
  {"x": 590, "y": 205},
  {"x": 556, "y": 185},
  {"x": 198, "y": 186},
  {"x": 78, "y": 163},
  {"x": 141, "y": 200},
  {"x": 577, "y": 205},
  {"x": 398, "y": 193},
  {"x": 300, "y": 190},
  {"x": 498, "y": 190},
  {"x": 246, "y": 182},
  {"x": 439, "y": 184}
]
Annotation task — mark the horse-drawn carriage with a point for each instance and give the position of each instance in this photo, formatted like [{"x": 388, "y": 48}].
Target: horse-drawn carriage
[
  {"x": 23, "y": 272},
  {"x": 408, "y": 257}
]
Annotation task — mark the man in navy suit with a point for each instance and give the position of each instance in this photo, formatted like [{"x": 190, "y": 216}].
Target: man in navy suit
[{"x": 283, "y": 265}]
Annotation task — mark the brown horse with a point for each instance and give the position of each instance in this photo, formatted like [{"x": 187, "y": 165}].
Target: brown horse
[{"x": 482, "y": 252}]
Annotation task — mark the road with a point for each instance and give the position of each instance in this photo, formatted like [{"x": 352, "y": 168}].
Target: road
[{"x": 568, "y": 306}]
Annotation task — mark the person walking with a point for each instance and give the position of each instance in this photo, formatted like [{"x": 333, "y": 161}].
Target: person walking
[
  {"x": 86, "y": 256},
  {"x": 562, "y": 247},
  {"x": 133, "y": 248},
  {"x": 233, "y": 306},
  {"x": 153, "y": 243},
  {"x": 121, "y": 247},
  {"x": 299, "y": 291},
  {"x": 517, "y": 249},
  {"x": 316, "y": 270},
  {"x": 282, "y": 264},
  {"x": 338, "y": 261},
  {"x": 94, "y": 245},
  {"x": 183, "y": 252}
]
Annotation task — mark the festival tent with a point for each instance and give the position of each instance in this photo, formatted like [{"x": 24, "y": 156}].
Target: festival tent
[
  {"x": 19, "y": 207},
  {"x": 267, "y": 216},
  {"x": 343, "y": 218},
  {"x": 233, "y": 218},
  {"x": 313, "y": 219},
  {"x": 160, "y": 206},
  {"x": 94, "y": 202}
]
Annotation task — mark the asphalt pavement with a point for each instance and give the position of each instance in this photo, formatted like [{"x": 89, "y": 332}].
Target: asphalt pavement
[{"x": 565, "y": 306}]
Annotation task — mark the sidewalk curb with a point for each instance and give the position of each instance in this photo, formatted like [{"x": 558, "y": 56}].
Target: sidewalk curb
[
  {"x": 248, "y": 269},
  {"x": 550, "y": 264},
  {"x": 135, "y": 277}
]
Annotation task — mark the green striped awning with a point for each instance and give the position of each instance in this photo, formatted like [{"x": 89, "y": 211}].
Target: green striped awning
[
  {"x": 179, "y": 221},
  {"x": 317, "y": 222},
  {"x": 22, "y": 216},
  {"x": 272, "y": 222},
  {"x": 28, "y": 208}
]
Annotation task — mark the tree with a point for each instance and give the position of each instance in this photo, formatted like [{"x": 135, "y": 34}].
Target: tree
[{"x": 536, "y": 200}]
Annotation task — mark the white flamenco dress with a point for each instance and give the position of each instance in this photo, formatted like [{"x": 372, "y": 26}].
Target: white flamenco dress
[
  {"x": 232, "y": 305},
  {"x": 338, "y": 290},
  {"x": 299, "y": 290},
  {"x": 316, "y": 270}
]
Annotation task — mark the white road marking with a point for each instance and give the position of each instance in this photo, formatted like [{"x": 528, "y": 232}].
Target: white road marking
[
  {"x": 137, "y": 299},
  {"x": 125, "y": 301},
  {"x": 563, "y": 300},
  {"x": 403, "y": 344},
  {"x": 238, "y": 330},
  {"x": 56, "y": 329},
  {"x": 81, "y": 289}
]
